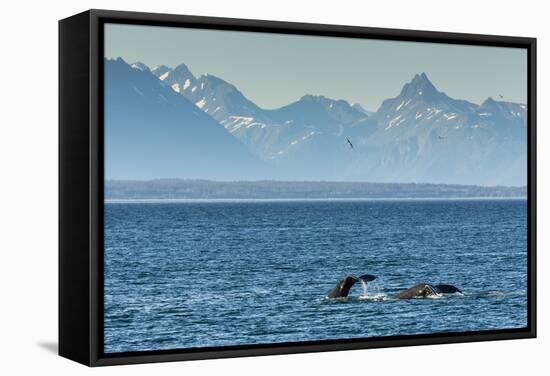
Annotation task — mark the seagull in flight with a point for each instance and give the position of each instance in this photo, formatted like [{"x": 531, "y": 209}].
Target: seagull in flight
[{"x": 350, "y": 144}]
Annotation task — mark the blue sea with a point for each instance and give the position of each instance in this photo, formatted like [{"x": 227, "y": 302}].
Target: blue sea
[{"x": 197, "y": 274}]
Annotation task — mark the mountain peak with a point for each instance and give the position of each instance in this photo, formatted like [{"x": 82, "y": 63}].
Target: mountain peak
[
  {"x": 140, "y": 66},
  {"x": 311, "y": 97},
  {"x": 161, "y": 71},
  {"x": 215, "y": 82},
  {"x": 420, "y": 93},
  {"x": 160, "y": 67},
  {"x": 181, "y": 75},
  {"x": 182, "y": 68},
  {"x": 421, "y": 81},
  {"x": 493, "y": 106},
  {"x": 489, "y": 101},
  {"x": 420, "y": 85}
]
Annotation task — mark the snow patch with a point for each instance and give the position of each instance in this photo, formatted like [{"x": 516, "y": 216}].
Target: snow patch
[
  {"x": 236, "y": 122},
  {"x": 242, "y": 119},
  {"x": 138, "y": 67},
  {"x": 394, "y": 122},
  {"x": 308, "y": 135},
  {"x": 400, "y": 105},
  {"x": 163, "y": 76},
  {"x": 186, "y": 84},
  {"x": 176, "y": 88},
  {"x": 200, "y": 104},
  {"x": 450, "y": 116}
]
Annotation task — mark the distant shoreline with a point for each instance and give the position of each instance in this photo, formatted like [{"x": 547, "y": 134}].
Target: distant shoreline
[
  {"x": 266, "y": 200},
  {"x": 174, "y": 189}
]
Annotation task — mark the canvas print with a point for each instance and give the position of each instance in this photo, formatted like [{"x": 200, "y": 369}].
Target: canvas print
[{"x": 266, "y": 188}]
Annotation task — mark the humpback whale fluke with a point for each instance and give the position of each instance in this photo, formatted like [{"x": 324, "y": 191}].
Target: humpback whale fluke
[
  {"x": 447, "y": 289},
  {"x": 367, "y": 277},
  {"x": 424, "y": 290},
  {"x": 341, "y": 290}
]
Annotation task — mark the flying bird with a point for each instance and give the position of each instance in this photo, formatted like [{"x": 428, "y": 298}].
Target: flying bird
[
  {"x": 441, "y": 137},
  {"x": 501, "y": 96},
  {"x": 350, "y": 144}
]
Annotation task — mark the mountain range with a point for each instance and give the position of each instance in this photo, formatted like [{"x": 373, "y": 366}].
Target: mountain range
[
  {"x": 152, "y": 132},
  {"x": 421, "y": 135}
]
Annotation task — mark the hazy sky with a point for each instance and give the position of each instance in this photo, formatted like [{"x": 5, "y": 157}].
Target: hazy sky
[{"x": 273, "y": 70}]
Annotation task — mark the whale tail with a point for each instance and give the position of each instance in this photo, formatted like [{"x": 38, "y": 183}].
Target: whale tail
[
  {"x": 341, "y": 290},
  {"x": 367, "y": 277},
  {"x": 447, "y": 289}
]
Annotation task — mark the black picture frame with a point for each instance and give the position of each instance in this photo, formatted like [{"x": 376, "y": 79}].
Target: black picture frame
[{"x": 81, "y": 185}]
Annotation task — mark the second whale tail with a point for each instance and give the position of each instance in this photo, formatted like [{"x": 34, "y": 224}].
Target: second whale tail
[
  {"x": 341, "y": 290},
  {"x": 367, "y": 277},
  {"x": 447, "y": 289}
]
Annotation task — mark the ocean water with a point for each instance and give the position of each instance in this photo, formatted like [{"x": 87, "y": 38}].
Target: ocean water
[{"x": 199, "y": 274}]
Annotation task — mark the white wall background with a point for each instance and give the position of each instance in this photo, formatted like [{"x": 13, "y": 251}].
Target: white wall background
[{"x": 28, "y": 189}]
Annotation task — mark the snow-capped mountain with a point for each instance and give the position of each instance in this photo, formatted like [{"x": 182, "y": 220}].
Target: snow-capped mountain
[
  {"x": 160, "y": 70},
  {"x": 179, "y": 79},
  {"x": 210, "y": 93},
  {"x": 425, "y": 135},
  {"x": 318, "y": 110},
  {"x": 421, "y": 135},
  {"x": 139, "y": 66},
  {"x": 270, "y": 134},
  {"x": 511, "y": 115},
  {"x": 153, "y": 132}
]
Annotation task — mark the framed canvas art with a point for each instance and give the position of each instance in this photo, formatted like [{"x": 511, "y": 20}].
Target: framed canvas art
[{"x": 236, "y": 187}]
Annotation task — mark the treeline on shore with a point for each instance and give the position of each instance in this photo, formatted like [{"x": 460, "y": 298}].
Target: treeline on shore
[{"x": 267, "y": 189}]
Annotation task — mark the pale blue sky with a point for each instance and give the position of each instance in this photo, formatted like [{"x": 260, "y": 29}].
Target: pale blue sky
[{"x": 273, "y": 69}]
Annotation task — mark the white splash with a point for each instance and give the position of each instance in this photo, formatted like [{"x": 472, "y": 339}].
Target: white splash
[{"x": 365, "y": 288}]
